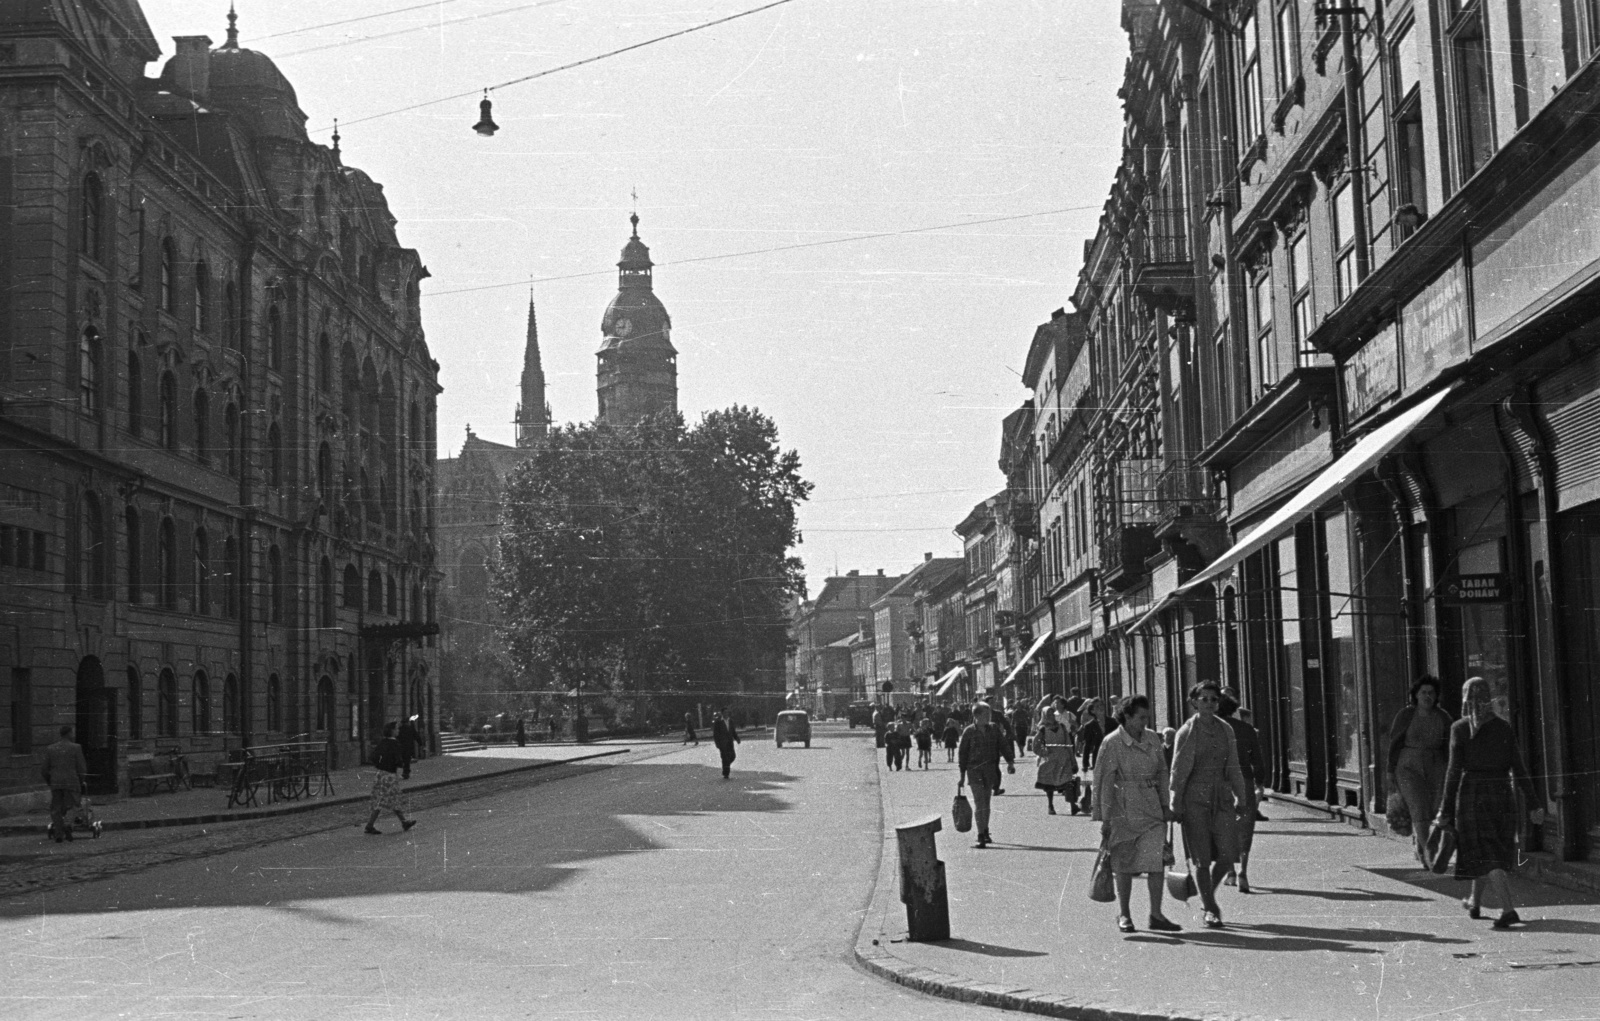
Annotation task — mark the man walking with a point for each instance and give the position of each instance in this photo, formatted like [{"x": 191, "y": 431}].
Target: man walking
[
  {"x": 978, "y": 757},
  {"x": 724, "y": 736},
  {"x": 1021, "y": 725},
  {"x": 408, "y": 738},
  {"x": 63, "y": 769},
  {"x": 689, "y": 736}
]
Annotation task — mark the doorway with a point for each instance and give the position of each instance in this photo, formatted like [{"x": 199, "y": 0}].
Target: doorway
[{"x": 96, "y": 726}]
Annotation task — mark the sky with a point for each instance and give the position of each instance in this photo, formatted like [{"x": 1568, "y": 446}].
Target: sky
[{"x": 887, "y": 362}]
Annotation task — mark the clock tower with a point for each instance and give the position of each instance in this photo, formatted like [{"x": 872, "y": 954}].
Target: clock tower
[{"x": 638, "y": 371}]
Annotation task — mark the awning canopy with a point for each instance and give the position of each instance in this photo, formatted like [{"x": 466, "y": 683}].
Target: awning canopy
[
  {"x": 943, "y": 684},
  {"x": 1033, "y": 650},
  {"x": 1354, "y": 463}
]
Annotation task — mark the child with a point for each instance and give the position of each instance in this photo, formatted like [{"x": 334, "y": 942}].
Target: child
[
  {"x": 925, "y": 743},
  {"x": 952, "y": 736}
]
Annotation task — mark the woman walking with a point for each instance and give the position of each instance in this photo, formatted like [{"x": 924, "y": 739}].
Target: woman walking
[
  {"x": 1130, "y": 805},
  {"x": 1419, "y": 741},
  {"x": 386, "y": 793},
  {"x": 1208, "y": 793},
  {"x": 925, "y": 743},
  {"x": 1479, "y": 802},
  {"x": 952, "y": 736},
  {"x": 1058, "y": 771},
  {"x": 1091, "y": 732}
]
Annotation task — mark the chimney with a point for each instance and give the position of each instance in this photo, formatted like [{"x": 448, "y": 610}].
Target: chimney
[
  {"x": 926, "y": 557},
  {"x": 853, "y": 574},
  {"x": 191, "y": 68},
  {"x": 880, "y": 572}
]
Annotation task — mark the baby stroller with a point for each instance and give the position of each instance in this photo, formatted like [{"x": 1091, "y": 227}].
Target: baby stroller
[{"x": 81, "y": 817}]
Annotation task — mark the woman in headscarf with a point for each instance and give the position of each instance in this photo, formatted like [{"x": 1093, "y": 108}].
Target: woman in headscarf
[
  {"x": 1419, "y": 741},
  {"x": 1058, "y": 770},
  {"x": 1130, "y": 805},
  {"x": 1479, "y": 801}
]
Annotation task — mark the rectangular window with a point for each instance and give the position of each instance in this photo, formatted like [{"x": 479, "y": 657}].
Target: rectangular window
[
  {"x": 1267, "y": 370},
  {"x": 1250, "y": 116},
  {"x": 1300, "y": 289},
  {"x": 1286, "y": 38},
  {"x": 1471, "y": 92},
  {"x": 1344, "y": 242},
  {"x": 1410, "y": 159},
  {"x": 38, "y": 551},
  {"x": 21, "y": 710}
]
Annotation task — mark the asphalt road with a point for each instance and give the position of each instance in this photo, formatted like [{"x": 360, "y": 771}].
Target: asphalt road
[{"x": 648, "y": 889}]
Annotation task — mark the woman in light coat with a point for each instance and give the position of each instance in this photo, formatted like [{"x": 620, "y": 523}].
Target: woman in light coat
[
  {"x": 1130, "y": 784},
  {"x": 1058, "y": 770}
]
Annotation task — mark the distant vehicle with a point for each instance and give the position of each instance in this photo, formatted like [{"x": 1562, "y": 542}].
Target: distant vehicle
[
  {"x": 859, "y": 714},
  {"x": 793, "y": 725}
]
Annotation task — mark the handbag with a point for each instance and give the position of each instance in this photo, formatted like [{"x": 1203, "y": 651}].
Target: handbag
[
  {"x": 1180, "y": 885},
  {"x": 1441, "y": 848},
  {"x": 1102, "y": 886},
  {"x": 961, "y": 812},
  {"x": 1399, "y": 815}
]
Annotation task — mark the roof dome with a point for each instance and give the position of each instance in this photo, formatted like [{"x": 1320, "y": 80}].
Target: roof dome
[
  {"x": 241, "y": 70},
  {"x": 636, "y": 321},
  {"x": 247, "y": 82}
]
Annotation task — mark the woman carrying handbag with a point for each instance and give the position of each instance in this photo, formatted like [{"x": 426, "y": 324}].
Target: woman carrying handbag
[{"x": 1130, "y": 783}]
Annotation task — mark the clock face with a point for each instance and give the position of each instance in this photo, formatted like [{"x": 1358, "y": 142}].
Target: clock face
[{"x": 624, "y": 327}]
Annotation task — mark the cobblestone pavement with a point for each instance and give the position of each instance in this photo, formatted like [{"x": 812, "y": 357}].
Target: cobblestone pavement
[{"x": 29, "y": 864}]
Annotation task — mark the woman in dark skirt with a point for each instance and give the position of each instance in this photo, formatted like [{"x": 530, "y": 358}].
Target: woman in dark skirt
[{"x": 1480, "y": 803}]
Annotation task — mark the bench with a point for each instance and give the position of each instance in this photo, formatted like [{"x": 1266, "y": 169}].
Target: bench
[{"x": 142, "y": 773}]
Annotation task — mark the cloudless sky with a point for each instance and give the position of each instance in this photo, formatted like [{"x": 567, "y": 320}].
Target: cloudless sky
[{"x": 887, "y": 363}]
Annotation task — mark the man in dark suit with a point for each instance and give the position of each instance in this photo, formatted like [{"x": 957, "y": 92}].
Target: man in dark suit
[
  {"x": 409, "y": 739},
  {"x": 63, "y": 769},
  {"x": 724, "y": 736}
]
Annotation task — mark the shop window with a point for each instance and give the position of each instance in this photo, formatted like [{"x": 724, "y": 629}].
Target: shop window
[
  {"x": 89, "y": 371},
  {"x": 1294, "y": 644},
  {"x": 135, "y": 705},
  {"x": 167, "y": 704}
]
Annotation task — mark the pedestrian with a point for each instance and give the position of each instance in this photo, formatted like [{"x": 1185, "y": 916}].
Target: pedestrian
[
  {"x": 1480, "y": 803},
  {"x": 64, "y": 769},
  {"x": 978, "y": 756},
  {"x": 1075, "y": 702},
  {"x": 522, "y": 735},
  {"x": 689, "y": 736},
  {"x": 902, "y": 743},
  {"x": 1207, "y": 795},
  {"x": 1091, "y": 732},
  {"x": 880, "y": 727},
  {"x": 952, "y": 735},
  {"x": 1021, "y": 725},
  {"x": 1168, "y": 736},
  {"x": 925, "y": 743},
  {"x": 999, "y": 720},
  {"x": 387, "y": 795},
  {"x": 1057, "y": 769},
  {"x": 1130, "y": 781},
  {"x": 1254, "y": 767},
  {"x": 408, "y": 739},
  {"x": 724, "y": 735},
  {"x": 1419, "y": 745}
]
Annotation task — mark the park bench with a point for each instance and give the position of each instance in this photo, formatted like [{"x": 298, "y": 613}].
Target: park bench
[{"x": 142, "y": 773}]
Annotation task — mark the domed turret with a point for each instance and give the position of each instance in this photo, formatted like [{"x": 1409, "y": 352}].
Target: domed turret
[
  {"x": 244, "y": 82},
  {"x": 638, "y": 372}
]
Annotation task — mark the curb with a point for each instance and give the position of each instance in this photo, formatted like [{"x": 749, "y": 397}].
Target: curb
[
  {"x": 871, "y": 953},
  {"x": 309, "y": 805}
]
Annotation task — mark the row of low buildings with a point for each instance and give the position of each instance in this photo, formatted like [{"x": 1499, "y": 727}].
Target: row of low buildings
[{"x": 1325, "y": 416}]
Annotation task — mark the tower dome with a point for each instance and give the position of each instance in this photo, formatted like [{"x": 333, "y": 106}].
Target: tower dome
[{"x": 638, "y": 370}]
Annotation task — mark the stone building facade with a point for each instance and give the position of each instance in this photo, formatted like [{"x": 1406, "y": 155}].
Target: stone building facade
[{"x": 216, "y": 409}]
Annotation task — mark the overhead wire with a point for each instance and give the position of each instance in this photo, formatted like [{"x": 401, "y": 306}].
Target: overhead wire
[
  {"x": 420, "y": 28},
  {"x": 351, "y": 21}
]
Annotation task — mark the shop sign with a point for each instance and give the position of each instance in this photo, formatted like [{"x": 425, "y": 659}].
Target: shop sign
[
  {"x": 1073, "y": 610},
  {"x": 1372, "y": 373},
  {"x": 1541, "y": 252},
  {"x": 1433, "y": 327},
  {"x": 1475, "y": 588}
]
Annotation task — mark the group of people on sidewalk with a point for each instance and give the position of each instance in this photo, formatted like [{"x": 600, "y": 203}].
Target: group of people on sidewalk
[{"x": 1206, "y": 780}]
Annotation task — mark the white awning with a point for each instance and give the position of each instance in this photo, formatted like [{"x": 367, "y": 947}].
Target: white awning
[
  {"x": 1354, "y": 463},
  {"x": 943, "y": 684},
  {"x": 1038, "y": 643}
]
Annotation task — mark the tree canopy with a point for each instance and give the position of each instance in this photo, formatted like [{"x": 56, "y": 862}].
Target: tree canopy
[{"x": 654, "y": 559}]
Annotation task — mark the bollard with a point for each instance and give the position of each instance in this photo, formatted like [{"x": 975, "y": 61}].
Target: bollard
[{"x": 922, "y": 887}]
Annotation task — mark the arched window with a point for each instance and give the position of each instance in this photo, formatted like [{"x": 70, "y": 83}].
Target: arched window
[
  {"x": 230, "y": 314},
  {"x": 135, "y": 393},
  {"x": 414, "y": 426},
  {"x": 324, "y": 364},
  {"x": 429, "y": 599},
  {"x": 167, "y": 564},
  {"x": 202, "y": 425},
  {"x": 416, "y": 601},
  {"x": 135, "y": 547},
  {"x": 274, "y": 704},
  {"x": 167, "y": 705},
  {"x": 167, "y": 292},
  {"x": 230, "y": 437},
  {"x": 230, "y": 578},
  {"x": 274, "y": 586},
  {"x": 202, "y": 572},
  {"x": 416, "y": 512},
  {"x": 168, "y": 424},
  {"x": 325, "y": 476},
  {"x": 352, "y": 587},
  {"x": 374, "y": 592},
  {"x": 391, "y": 510},
  {"x": 92, "y": 221},
  {"x": 369, "y": 499},
  {"x": 325, "y": 703},
  {"x": 391, "y": 604},
  {"x": 274, "y": 337},
  {"x": 200, "y": 703},
  {"x": 274, "y": 456},
  {"x": 202, "y": 297},
  {"x": 232, "y": 718},
  {"x": 325, "y": 589},
  {"x": 135, "y": 705},
  {"x": 92, "y": 548},
  {"x": 89, "y": 371}
]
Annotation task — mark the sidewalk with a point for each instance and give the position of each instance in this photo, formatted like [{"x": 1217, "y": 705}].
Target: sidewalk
[
  {"x": 206, "y": 805},
  {"x": 1342, "y": 925}
]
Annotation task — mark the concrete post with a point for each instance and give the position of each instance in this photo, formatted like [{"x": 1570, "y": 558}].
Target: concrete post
[{"x": 922, "y": 888}]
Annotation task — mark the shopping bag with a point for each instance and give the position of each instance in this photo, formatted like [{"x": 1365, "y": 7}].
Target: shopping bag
[
  {"x": 1180, "y": 885},
  {"x": 1399, "y": 816},
  {"x": 961, "y": 812},
  {"x": 1102, "y": 887}
]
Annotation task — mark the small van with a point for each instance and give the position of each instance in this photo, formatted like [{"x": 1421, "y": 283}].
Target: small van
[{"x": 793, "y": 725}]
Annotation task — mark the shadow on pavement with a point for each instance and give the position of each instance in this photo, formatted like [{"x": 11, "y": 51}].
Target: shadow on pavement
[
  {"x": 520, "y": 841},
  {"x": 1343, "y": 894},
  {"x": 1301, "y": 938},
  {"x": 1527, "y": 894},
  {"x": 988, "y": 949}
]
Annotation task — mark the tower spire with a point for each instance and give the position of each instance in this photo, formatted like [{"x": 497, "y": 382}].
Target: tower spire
[
  {"x": 233, "y": 29},
  {"x": 533, "y": 417}
]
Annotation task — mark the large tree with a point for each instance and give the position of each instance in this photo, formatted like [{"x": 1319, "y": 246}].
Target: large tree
[{"x": 653, "y": 559}]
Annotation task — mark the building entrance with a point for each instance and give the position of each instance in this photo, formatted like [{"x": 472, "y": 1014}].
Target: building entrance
[{"x": 96, "y": 726}]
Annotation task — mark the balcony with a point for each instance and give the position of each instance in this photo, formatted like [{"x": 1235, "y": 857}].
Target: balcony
[
  {"x": 1123, "y": 550},
  {"x": 1023, "y": 518},
  {"x": 1164, "y": 277},
  {"x": 1183, "y": 496}
]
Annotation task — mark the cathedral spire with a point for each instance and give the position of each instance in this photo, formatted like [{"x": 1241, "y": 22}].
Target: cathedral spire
[{"x": 533, "y": 415}]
